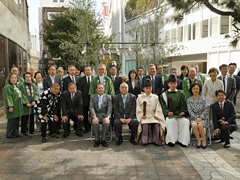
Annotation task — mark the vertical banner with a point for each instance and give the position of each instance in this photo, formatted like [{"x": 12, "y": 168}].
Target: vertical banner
[{"x": 105, "y": 10}]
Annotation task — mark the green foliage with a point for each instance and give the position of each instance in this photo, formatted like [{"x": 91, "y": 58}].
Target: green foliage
[{"x": 73, "y": 35}]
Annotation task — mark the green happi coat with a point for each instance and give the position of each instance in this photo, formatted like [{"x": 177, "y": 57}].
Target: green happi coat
[
  {"x": 177, "y": 104},
  {"x": 186, "y": 84},
  {"x": 11, "y": 99},
  {"x": 109, "y": 88},
  {"x": 164, "y": 78},
  {"x": 25, "y": 94}
]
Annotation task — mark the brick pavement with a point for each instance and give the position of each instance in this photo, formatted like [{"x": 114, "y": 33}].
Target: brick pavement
[{"x": 76, "y": 158}]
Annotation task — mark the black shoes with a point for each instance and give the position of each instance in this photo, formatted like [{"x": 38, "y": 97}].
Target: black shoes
[
  {"x": 170, "y": 144},
  {"x": 198, "y": 147},
  {"x": 25, "y": 134},
  {"x": 64, "y": 136},
  {"x": 227, "y": 144},
  {"x": 79, "y": 134},
  {"x": 55, "y": 136},
  {"x": 86, "y": 131},
  {"x": 119, "y": 141},
  {"x": 132, "y": 140},
  {"x": 105, "y": 144},
  {"x": 96, "y": 143},
  {"x": 44, "y": 140}
]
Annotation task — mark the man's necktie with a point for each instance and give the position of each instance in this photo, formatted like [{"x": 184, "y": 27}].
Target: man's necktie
[
  {"x": 100, "y": 102},
  {"x": 73, "y": 79},
  {"x": 88, "y": 80},
  {"x": 221, "y": 106},
  {"x": 224, "y": 85},
  {"x": 72, "y": 96},
  {"x": 124, "y": 101},
  {"x": 192, "y": 81},
  {"x": 153, "y": 84}
]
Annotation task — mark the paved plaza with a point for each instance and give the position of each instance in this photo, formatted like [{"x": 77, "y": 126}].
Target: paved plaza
[{"x": 76, "y": 158}]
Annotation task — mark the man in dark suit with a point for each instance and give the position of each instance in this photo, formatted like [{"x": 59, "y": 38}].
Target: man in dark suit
[
  {"x": 124, "y": 111},
  {"x": 229, "y": 83},
  {"x": 116, "y": 80},
  {"x": 101, "y": 109},
  {"x": 231, "y": 70},
  {"x": 140, "y": 74},
  {"x": 157, "y": 85},
  {"x": 224, "y": 116},
  {"x": 72, "y": 108},
  {"x": 83, "y": 85},
  {"x": 52, "y": 78},
  {"x": 173, "y": 70},
  {"x": 70, "y": 78}
]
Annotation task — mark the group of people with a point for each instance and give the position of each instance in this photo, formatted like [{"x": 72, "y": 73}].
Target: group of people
[{"x": 158, "y": 108}]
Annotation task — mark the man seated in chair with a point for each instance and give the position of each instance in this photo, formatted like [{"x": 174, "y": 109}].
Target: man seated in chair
[
  {"x": 72, "y": 108},
  {"x": 100, "y": 109},
  {"x": 124, "y": 111},
  {"x": 224, "y": 118}
]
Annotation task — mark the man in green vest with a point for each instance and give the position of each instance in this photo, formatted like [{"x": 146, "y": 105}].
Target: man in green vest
[
  {"x": 189, "y": 81},
  {"x": 102, "y": 79},
  {"x": 198, "y": 75},
  {"x": 161, "y": 74}
]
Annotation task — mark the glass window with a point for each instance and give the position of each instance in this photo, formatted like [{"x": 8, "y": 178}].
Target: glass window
[
  {"x": 54, "y": 0},
  {"x": 180, "y": 34},
  {"x": 61, "y": 0},
  {"x": 224, "y": 24},
  {"x": 12, "y": 54},
  {"x": 194, "y": 31},
  {"x": 3, "y": 66},
  {"x": 214, "y": 26},
  {"x": 189, "y": 31},
  {"x": 205, "y": 29},
  {"x": 173, "y": 36}
]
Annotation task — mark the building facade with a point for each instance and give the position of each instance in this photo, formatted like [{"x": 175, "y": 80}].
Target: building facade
[{"x": 14, "y": 37}]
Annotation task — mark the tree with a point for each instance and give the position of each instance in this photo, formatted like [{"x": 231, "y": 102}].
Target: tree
[
  {"x": 223, "y": 8},
  {"x": 146, "y": 31},
  {"x": 73, "y": 34}
]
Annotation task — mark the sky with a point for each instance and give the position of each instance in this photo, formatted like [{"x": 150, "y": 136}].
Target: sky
[{"x": 33, "y": 13}]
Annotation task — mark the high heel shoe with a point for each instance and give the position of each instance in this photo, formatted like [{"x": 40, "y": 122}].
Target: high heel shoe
[{"x": 198, "y": 147}]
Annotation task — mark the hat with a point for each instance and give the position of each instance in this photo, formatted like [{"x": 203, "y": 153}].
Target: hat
[
  {"x": 172, "y": 78},
  {"x": 147, "y": 83}
]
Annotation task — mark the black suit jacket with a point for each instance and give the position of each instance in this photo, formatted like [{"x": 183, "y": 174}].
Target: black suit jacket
[
  {"x": 138, "y": 78},
  {"x": 237, "y": 82},
  {"x": 130, "y": 107},
  {"x": 179, "y": 84},
  {"x": 83, "y": 86},
  {"x": 67, "y": 80},
  {"x": 70, "y": 106},
  {"x": 228, "y": 113},
  {"x": 47, "y": 82},
  {"x": 137, "y": 89},
  {"x": 158, "y": 84},
  {"x": 117, "y": 82}
]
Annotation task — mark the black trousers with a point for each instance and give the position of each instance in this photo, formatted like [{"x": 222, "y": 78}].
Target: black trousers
[
  {"x": 133, "y": 125},
  {"x": 12, "y": 127},
  {"x": 86, "y": 122},
  {"x": 27, "y": 126},
  {"x": 52, "y": 125},
  {"x": 66, "y": 125},
  {"x": 226, "y": 130}
]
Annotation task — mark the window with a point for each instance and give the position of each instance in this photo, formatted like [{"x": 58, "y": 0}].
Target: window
[
  {"x": 173, "y": 36},
  {"x": 54, "y": 0},
  {"x": 214, "y": 26},
  {"x": 224, "y": 25},
  {"x": 205, "y": 29},
  {"x": 194, "y": 31},
  {"x": 180, "y": 34},
  {"x": 189, "y": 32},
  {"x": 61, "y": 0}
]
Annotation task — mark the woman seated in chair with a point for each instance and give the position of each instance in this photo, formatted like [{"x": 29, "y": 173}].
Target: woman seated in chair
[
  {"x": 150, "y": 117},
  {"x": 198, "y": 112}
]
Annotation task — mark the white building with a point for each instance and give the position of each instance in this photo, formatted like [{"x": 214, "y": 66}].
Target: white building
[
  {"x": 34, "y": 41},
  {"x": 201, "y": 33}
]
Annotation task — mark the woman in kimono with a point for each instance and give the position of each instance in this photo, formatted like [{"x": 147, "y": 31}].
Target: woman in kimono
[
  {"x": 198, "y": 112},
  {"x": 30, "y": 91},
  {"x": 12, "y": 98},
  {"x": 150, "y": 117}
]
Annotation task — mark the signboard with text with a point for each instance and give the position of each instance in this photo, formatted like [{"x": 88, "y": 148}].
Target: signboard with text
[{"x": 105, "y": 10}]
